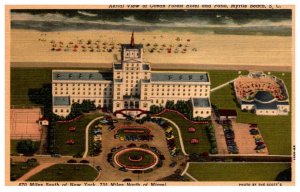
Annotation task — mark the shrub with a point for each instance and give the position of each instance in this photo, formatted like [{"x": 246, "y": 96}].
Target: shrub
[
  {"x": 148, "y": 170},
  {"x": 159, "y": 164},
  {"x": 214, "y": 144},
  {"x": 33, "y": 160},
  {"x": 84, "y": 161},
  {"x": 27, "y": 147},
  {"x": 285, "y": 175},
  {"x": 72, "y": 161},
  {"x": 77, "y": 155},
  {"x": 213, "y": 150}
]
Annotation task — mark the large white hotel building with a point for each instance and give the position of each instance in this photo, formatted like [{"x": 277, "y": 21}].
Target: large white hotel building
[{"x": 131, "y": 86}]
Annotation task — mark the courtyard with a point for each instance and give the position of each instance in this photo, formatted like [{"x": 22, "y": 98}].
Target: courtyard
[{"x": 110, "y": 169}]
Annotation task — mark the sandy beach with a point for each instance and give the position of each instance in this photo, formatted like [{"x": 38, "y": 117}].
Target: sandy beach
[{"x": 99, "y": 48}]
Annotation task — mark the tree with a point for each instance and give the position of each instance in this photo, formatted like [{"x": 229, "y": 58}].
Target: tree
[
  {"x": 170, "y": 104},
  {"x": 27, "y": 147},
  {"x": 285, "y": 175},
  {"x": 87, "y": 106},
  {"x": 213, "y": 150},
  {"x": 42, "y": 96},
  {"x": 155, "y": 109}
]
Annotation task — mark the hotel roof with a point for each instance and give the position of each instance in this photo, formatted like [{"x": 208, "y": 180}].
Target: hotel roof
[
  {"x": 180, "y": 77},
  {"x": 201, "y": 102},
  {"x": 62, "y": 100},
  {"x": 81, "y": 76}
]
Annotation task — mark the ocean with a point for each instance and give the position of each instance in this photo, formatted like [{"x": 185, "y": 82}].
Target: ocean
[{"x": 236, "y": 22}]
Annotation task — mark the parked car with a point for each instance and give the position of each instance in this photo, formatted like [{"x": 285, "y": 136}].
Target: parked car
[
  {"x": 254, "y": 132},
  {"x": 55, "y": 155},
  {"x": 123, "y": 169},
  {"x": 258, "y": 147},
  {"x": 259, "y": 143},
  {"x": 173, "y": 164},
  {"x": 98, "y": 168},
  {"x": 103, "y": 121},
  {"x": 115, "y": 121},
  {"x": 112, "y": 127}
]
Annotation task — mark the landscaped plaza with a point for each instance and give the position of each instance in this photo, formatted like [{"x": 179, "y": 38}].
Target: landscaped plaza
[{"x": 162, "y": 147}]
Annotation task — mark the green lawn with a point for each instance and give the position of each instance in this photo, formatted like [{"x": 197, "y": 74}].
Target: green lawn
[
  {"x": 13, "y": 147},
  {"x": 14, "y": 144},
  {"x": 66, "y": 172},
  {"x": 18, "y": 169},
  {"x": 23, "y": 79},
  {"x": 62, "y": 135},
  {"x": 218, "y": 77},
  {"x": 276, "y": 131},
  {"x": 200, "y": 134},
  {"x": 236, "y": 171}
]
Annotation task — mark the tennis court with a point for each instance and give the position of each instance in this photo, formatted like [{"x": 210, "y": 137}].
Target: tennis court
[{"x": 24, "y": 124}]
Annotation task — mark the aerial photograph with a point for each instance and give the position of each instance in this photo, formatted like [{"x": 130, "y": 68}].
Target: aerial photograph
[{"x": 162, "y": 96}]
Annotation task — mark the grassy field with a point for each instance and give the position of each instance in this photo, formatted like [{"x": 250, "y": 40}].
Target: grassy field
[
  {"x": 62, "y": 135},
  {"x": 236, "y": 171},
  {"x": 13, "y": 147},
  {"x": 200, "y": 134},
  {"x": 18, "y": 169},
  {"x": 66, "y": 172},
  {"x": 22, "y": 79},
  {"x": 276, "y": 131},
  {"x": 218, "y": 77}
]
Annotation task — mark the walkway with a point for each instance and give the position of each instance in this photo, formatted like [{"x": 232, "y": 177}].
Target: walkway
[
  {"x": 35, "y": 171},
  {"x": 221, "y": 86},
  {"x": 87, "y": 136},
  {"x": 179, "y": 133}
]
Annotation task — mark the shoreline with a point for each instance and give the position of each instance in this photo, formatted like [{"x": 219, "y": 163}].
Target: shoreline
[
  {"x": 154, "y": 66},
  {"x": 99, "y": 48}
]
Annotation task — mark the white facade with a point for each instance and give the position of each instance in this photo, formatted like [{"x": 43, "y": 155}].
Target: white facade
[{"x": 132, "y": 85}]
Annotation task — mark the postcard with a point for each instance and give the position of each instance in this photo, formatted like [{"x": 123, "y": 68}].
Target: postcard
[{"x": 150, "y": 95}]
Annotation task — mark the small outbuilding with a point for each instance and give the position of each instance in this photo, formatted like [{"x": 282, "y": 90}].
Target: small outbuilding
[{"x": 225, "y": 114}]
